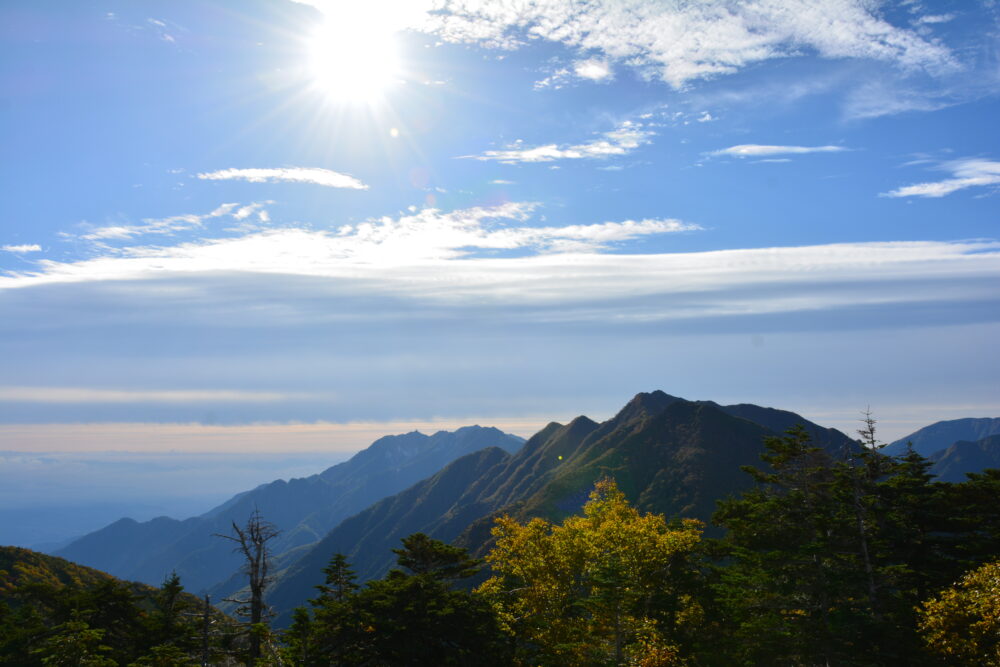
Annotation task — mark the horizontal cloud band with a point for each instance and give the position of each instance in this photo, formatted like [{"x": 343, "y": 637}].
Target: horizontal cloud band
[
  {"x": 757, "y": 150},
  {"x": 242, "y": 276},
  {"x": 330, "y": 179}
]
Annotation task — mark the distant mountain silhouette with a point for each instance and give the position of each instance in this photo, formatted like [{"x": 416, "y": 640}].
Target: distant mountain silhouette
[
  {"x": 952, "y": 464},
  {"x": 669, "y": 455},
  {"x": 305, "y": 509},
  {"x": 941, "y": 435}
]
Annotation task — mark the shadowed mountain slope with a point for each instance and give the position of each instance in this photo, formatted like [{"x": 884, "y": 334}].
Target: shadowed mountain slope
[
  {"x": 952, "y": 464},
  {"x": 941, "y": 435},
  {"x": 303, "y": 509}
]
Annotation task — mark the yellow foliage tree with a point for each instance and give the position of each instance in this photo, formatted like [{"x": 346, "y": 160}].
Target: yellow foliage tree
[
  {"x": 601, "y": 588},
  {"x": 963, "y": 622}
]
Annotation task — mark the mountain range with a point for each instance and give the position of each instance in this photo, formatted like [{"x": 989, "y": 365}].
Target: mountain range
[
  {"x": 669, "y": 455},
  {"x": 940, "y": 435},
  {"x": 304, "y": 509}
]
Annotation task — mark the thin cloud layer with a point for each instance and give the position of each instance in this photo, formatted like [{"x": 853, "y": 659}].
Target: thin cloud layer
[
  {"x": 624, "y": 139},
  {"x": 967, "y": 173},
  {"x": 758, "y": 150},
  {"x": 429, "y": 258},
  {"x": 425, "y": 236},
  {"x": 170, "y": 225},
  {"x": 325, "y": 177},
  {"x": 94, "y": 395},
  {"x": 22, "y": 248}
]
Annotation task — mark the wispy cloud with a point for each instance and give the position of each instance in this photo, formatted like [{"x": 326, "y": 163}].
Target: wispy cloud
[
  {"x": 171, "y": 224},
  {"x": 758, "y": 150},
  {"x": 936, "y": 18},
  {"x": 966, "y": 173},
  {"x": 624, "y": 139},
  {"x": 94, "y": 395},
  {"x": 423, "y": 236},
  {"x": 22, "y": 248},
  {"x": 325, "y": 177},
  {"x": 681, "y": 42},
  {"x": 591, "y": 69},
  {"x": 428, "y": 259}
]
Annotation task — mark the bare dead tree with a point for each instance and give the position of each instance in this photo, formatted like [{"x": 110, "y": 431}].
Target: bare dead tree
[
  {"x": 873, "y": 470},
  {"x": 251, "y": 542}
]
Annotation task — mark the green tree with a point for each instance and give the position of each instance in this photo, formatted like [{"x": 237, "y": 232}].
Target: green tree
[
  {"x": 75, "y": 644},
  {"x": 299, "y": 638},
  {"x": 784, "y": 546},
  {"x": 333, "y": 612},
  {"x": 607, "y": 587},
  {"x": 408, "y": 618},
  {"x": 340, "y": 582},
  {"x": 826, "y": 560},
  {"x": 171, "y": 622},
  {"x": 422, "y": 555},
  {"x": 165, "y": 655}
]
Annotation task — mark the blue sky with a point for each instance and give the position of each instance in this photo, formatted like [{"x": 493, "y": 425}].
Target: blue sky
[{"x": 228, "y": 214}]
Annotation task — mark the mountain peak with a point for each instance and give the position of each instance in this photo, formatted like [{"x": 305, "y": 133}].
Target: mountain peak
[
  {"x": 645, "y": 404},
  {"x": 941, "y": 435}
]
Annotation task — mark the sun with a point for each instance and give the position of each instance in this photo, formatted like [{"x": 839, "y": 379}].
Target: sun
[{"x": 353, "y": 56}]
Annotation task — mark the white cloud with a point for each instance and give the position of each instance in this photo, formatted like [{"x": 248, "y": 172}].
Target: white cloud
[
  {"x": 756, "y": 150},
  {"x": 92, "y": 395},
  {"x": 624, "y": 139},
  {"x": 331, "y": 179},
  {"x": 681, "y": 42},
  {"x": 424, "y": 236},
  {"x": 967, "y": 173},
  {"x": 706, "y": 117},
  {"x": 593, "y": 69},
  {"x": 936, "y": 18},
  {"x": 22, "y": 248},
  {"x": 501, "y": 181},
  {"x": 429, "y": 259},
  {"x": 170, "y": 225},
  {"x": 556, "y": 80}
]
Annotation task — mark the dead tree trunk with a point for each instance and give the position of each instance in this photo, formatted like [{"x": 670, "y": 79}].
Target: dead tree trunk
[{"x": 251, "y": 542}]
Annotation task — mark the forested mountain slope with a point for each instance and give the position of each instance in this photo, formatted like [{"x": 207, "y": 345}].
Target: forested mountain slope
[{"x": 669, "y": 455}]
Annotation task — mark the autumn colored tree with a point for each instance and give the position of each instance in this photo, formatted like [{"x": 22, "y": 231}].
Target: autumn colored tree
[
  {"x": 606, "y": 587},
  {"x": 962, "y": 623}
]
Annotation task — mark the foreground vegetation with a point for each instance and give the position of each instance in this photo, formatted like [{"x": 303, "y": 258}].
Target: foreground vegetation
[{"x": 863, "y": 560}]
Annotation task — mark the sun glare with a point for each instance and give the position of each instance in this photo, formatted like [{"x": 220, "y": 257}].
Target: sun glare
[{"x": 353, "y": 56}]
